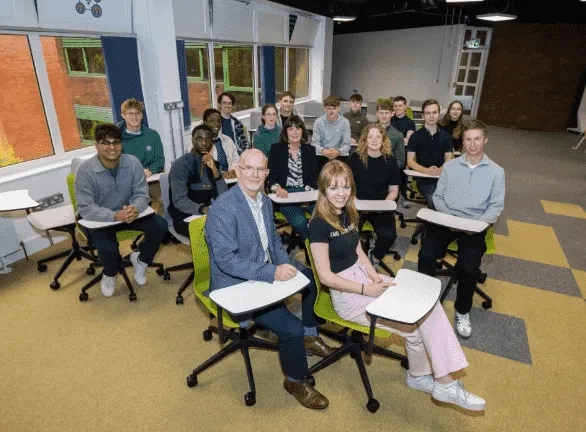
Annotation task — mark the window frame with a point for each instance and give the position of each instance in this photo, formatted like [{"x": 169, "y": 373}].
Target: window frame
[
  {"x": 81, "y": 43},
  {"x": 199, "y": 47}
]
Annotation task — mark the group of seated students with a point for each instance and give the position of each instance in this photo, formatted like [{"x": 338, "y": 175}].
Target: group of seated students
[{"x": 240, "y": 230}]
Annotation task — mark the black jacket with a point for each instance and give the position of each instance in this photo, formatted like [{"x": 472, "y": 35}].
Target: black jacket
[{"x": 279, "y": 167}]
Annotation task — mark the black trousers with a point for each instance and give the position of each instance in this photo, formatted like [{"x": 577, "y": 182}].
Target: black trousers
[
  {"x": 471, "y": 248},
  {"x": 322, "y": 160},
  {"x": 154, "y": 228},
  {"x": 385, "y": 229}
]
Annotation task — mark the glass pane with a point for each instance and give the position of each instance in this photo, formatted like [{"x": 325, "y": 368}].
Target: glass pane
[
  {"x": 95, "y": 60},
  {"x": 464, "y": 59},
  {"x": 475, "y": 60},
  {"x": 299, "y": 71},
  {"x": 75, "y": 97},
  {"x": 76, "y": 62},
  {"x": 467, "y": 36},
  {"x": 469, "y": 91},
  {"x": 199, "y": 90},
  {"x": 481, "y": 34},
  {"x": 87, "y": 128},
  {"x": 459, "y": 90},
  {"x": 279, "y": 71},
  {"x": 472, "y": 76},
  {"x": 24, "y": 134},
  {"x": 218, "y": 65},
  {"x": 238, "y": 75},
  {"x": 461, "y": 75}
]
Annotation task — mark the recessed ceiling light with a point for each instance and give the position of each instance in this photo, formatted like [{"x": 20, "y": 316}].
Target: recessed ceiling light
[
  {"x": 344, "y": 18},
  {"x": 497, "y": 16},
  {"x": 467, "y": 1}
]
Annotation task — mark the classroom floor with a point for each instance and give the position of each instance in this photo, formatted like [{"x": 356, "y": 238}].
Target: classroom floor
[{"x": 111, "y": 365}]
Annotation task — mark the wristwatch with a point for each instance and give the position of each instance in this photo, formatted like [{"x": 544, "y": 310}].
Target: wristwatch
[{"x": 275, "y": 187}]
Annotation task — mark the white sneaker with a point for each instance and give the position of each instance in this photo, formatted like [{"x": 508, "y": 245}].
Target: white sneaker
[
  {"x": 455, "y": 393},
  {"x": 375, "y": 262},
  {"x": 108, "y": 285},
  {"x": 422, "y": 383},
  {"x": 140, "y": 268},
  {"x": 463, "y": 325},
  {"x": 404, "y": 203}
]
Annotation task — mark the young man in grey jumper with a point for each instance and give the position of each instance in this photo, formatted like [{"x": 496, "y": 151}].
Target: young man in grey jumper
[
  {"x": 331, "y": 134},
  {"x": 473, "y": 187}
]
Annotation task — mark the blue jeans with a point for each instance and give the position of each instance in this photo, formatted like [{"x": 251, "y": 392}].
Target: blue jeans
[{"x": 295, "y": 214}]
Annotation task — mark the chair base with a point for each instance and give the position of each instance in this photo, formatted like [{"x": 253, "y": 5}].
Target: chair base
[
  {"x": 185, "y": 284},
  {"x": 367, "y": 245},
  {"x": 448, "y": 269},
  {"x": 83, "y": 296},
  {"x": 241, "y": 340}
]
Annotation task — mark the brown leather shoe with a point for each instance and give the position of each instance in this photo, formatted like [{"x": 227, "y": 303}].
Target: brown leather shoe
[
  {"x": 306, "y": 394},
  {"x": 315, "y": 345}
]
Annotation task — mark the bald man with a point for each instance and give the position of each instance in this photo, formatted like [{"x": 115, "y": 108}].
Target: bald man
[{"x": 244, "y": 245}]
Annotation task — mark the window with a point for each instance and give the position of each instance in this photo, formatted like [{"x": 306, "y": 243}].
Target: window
[
  {"x": 279, "y": 71},
  {"x": 299, "y": 71},
  {"x": 81, "y": 97},
  {"x": 236, "y": 73},
  {"x": 84, "y": 56},
  {"x": 24, "y": 133},
  {"x": 198, "y": 78}
]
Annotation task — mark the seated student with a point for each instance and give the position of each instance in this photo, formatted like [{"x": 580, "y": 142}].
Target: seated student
[
  {"x": 95, "y": 182},
  {"x": 244, "y": 245},
  {"x": 358, "y": 121},
  {"x": 428, "y": 149},
  {"x": 433, "y": 350},
  {"x": 400, "y": 121},
  {"x": 384, "y": 114},
  {"x": 473, "y": 187},
  {"x": 293, "y": 168},
  {"x": 377, "y": 178},
  {"x": 452, "y": 123},
  {"x": 268, "y": 132},
  {"x": 331, "y": 134},
  {"x": 194, "y": 180},
  {"x": 139, "y": 140},
  {"x": 231, "y": 126},
  {"x": 286, "y": 108},
  {"x": 225, "y": 151}
]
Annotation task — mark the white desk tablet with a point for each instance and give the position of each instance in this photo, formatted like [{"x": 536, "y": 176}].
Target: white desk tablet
[
  {"x": 414, "y": 173},
  {"x": 375, "y": 205},
  {"x": 95, "y": 225},
  {"x": 449, "y": 221},
  {"x": 16, "y": 200},
  {"x": 52, "y": 218},
  {"x": 295, "y": 197},
  {"x": 190, "y": 218},
  {"x": 253, "y": 295},
  {"x": 154, "y": 178},
  {"x": 231, "y": 180}
]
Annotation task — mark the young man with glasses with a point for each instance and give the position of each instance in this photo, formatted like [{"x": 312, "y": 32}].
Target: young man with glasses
[
  {"x": 139, "y": 140},
  {"x": 231, "y": 126},
  {"x": 244, "y": 245},
  {"x": 109, "y": 187},
  {"x": 195, "y": 180}
]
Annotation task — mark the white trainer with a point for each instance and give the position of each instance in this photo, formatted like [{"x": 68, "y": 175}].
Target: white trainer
[
  {"x": 455, "y": 393},
  {"x": 375, "y": 262},
  {"x": 422, "y": 383},
  {"x": 463, "y": 326},
  {"x": 108, "y": 285},
  {"x": 404, "y": 203},
  {"x": 140, "y": 268}
]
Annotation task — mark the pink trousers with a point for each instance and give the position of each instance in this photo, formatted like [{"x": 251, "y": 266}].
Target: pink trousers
[{"x": 431, "y": 345}]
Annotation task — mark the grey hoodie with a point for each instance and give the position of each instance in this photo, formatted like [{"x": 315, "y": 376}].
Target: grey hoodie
[{"x": 334, "y": 134}]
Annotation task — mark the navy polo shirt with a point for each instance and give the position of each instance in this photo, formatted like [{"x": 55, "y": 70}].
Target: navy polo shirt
[
  {"x": 403, "y": 124},
  {"x": 430, "y": 149}
]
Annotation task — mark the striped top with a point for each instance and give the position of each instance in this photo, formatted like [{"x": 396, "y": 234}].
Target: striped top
[{"x": 295, "y": 174}]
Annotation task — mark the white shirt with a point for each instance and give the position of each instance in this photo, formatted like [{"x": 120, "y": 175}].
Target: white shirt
[{"x": 256, "y": 209}]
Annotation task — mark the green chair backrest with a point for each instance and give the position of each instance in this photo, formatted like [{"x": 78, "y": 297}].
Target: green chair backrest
[
  {"x": 324, "y": 308},
  {"x": 409, "y": 112},
  {"x": 201, "y": 267},
  {"x": 488, "y": 241}
]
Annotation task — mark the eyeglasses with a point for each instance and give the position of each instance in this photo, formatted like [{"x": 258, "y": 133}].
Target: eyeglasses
[
  {"x": 133, "y": 114},
  {"x": 248, "y": 170},
  {"x": 106, "y": 143}
]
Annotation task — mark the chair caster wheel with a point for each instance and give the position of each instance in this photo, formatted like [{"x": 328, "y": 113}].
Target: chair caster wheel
[
  {"x": 167, "y": 276},
  {"x": 486, "y": 304},
  {"x": 482, "y": 278},
  {"x": 403, "y": 225},
  {"x": 83, "y": 297},
  {"x": 160, "y": 271},
  {"x": 42, "y": 268},
  {"x": 414, "y": 241},
  {"x": 191, "y": 381},
  {"x": 405, "y": 364},
  {"x": 396, "y": 257},
  {"x": 207, "y": 335},
  {"x": 90, "y": 271},
  {"x": 438, "y": 265},
  {"x": 372, "y": 405},
  {"x": 134, "y": 247},
  {"x": 311, "y": 380},
  {"x": 55, "y": 285},
  {"x": 132, "y": 297},
  {"x": 249, "y": 399},
  {"x": 178, "y": 300}
]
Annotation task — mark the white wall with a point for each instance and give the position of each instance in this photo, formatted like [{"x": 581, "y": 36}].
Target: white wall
[{"x": 397, "y": 62}]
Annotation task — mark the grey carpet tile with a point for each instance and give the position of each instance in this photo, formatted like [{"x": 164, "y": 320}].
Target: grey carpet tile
[
  {"x": 402, "y": 245},
  {"x": 567, "y": 230},
  {"x": 498, "y": 334}
]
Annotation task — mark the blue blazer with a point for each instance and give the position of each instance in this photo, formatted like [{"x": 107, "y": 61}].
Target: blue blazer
[{"x": 236, "y": 253}]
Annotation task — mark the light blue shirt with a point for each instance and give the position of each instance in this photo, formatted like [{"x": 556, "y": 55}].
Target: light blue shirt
[{"x": 256, "y": 209}]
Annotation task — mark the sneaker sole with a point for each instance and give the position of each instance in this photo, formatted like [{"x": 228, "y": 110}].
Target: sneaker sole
[
  {"x": 463, "y": 336},
  {"x": 452, "y": 402},
  {"x": 418, "y": 388}
]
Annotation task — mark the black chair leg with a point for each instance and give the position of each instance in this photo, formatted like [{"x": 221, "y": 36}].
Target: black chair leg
[
  {"x": 179, "y": 298},
  {"x": 83, "y": 296}
]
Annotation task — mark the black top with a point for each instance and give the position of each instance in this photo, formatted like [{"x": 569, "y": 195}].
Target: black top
[
  {"x": 373, "y": 180},
  {"x": 279, "y": 165},
  {"x": 430, "y": 149},
  {"x": 403, "y": 124},
  {"x": 449, "y": 128},
  {"x": 283, "y": 119},
  {"x": 342, "y": 248}
]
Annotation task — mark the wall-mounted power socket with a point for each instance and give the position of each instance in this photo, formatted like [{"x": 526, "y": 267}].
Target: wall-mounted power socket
[
  {"x": 49, "y": 201},
  {"x": 173, "y": 105}
]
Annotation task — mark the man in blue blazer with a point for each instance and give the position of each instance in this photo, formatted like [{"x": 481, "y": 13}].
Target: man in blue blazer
[{"x": 244, "y": 245}]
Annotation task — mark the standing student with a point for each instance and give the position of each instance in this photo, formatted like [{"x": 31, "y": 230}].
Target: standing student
[
  {"x": 358, "y": 121},
  {"x": 453, "y": 122},
  {"x": 231, "y": 126},
  {"x": 268, "y": 132}
]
